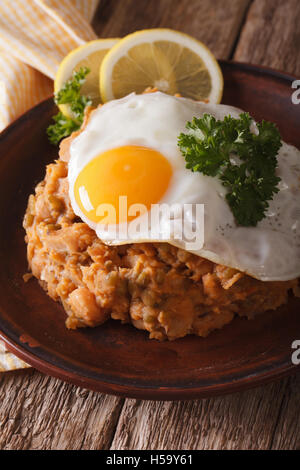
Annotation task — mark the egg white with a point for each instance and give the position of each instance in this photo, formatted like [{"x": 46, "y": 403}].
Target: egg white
[{"x": 269, "y": 251}]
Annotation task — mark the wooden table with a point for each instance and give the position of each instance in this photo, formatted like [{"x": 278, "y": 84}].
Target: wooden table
[{"x": 39, "y": 412}]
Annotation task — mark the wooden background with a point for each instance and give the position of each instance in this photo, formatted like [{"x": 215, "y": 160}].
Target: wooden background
[{"x": 39, "y": 412}]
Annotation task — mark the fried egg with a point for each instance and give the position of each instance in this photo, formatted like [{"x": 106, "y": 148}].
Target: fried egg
[{"x": 129, "y": 148}]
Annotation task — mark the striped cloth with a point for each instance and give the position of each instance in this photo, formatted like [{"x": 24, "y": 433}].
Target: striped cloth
[
  {"x": 10, "y": 362},
  {"x": 35, "y": 35}
]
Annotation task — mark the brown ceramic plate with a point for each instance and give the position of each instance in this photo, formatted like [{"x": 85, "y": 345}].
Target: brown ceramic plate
[{"x": 117, "y": 358}]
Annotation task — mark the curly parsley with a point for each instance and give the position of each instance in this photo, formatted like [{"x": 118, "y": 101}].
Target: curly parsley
[
  {"x": 70, "y": 94},
  {"x": 250, "y": 178}
]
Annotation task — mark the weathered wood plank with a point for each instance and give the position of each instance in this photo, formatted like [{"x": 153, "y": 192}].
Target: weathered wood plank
[
  {"x": 287, "y": 432},
  {"x": 244, "y": 420},
  {"x": 40, "y": 412},
  {"x": 271, "y": 35},
  {"x": 211, "y": 22}
]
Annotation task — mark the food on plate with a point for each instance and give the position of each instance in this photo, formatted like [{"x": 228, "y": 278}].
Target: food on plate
[
  {"x": 76, "y": 86},
  {"x": 168, "y": 60},
  {"x": 102, "y": 162},
  {"x": 160, "y": 287},
  {"x": 94, "y": 239},
  {"x": 244, "y": 159},
  {"x": 69, "y": 94},
  {"x": 155, "y": 286},
  {"x": 88, "y": 57}
]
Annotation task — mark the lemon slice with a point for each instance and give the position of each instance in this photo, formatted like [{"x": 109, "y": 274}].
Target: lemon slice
[
  {"x": 89, "y": 55},
  {"x": 165, "y": 59}
]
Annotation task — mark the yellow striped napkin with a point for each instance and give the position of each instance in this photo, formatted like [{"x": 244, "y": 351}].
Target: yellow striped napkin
[
  {"x": 35, "y": 35},
  {"x": 10, "y": 362}
]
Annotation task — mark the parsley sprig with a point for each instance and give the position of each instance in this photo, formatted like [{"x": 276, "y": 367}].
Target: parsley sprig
[
  {"x": 244, "y": 161},
  {"x": 70, "y": 94}
]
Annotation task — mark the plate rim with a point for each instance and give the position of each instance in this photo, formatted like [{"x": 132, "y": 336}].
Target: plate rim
[{"x": 156, "y": 393}]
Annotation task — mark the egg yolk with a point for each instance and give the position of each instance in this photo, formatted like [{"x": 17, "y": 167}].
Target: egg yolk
[{"x": 139, "y": 173}]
